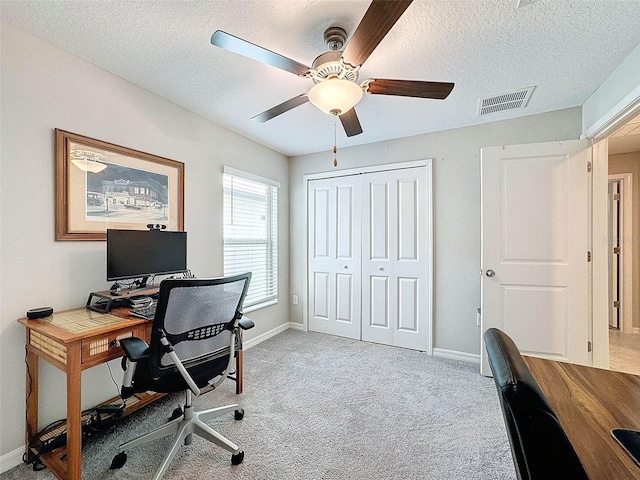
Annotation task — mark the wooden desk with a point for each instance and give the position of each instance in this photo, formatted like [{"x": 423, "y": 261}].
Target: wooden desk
[
  {"x": 72, "y": 352},
  {"x": 589, "y": 403}
]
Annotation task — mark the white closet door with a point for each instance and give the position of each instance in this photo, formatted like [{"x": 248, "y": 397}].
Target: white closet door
[
  {"x": 396, "y": 260},
  {"x": 334, "y": 256}
]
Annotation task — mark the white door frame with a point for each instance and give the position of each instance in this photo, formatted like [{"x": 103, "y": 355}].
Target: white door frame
[
  {"x": 358, "y": 171},
  {"x": 626, "y": 253}
]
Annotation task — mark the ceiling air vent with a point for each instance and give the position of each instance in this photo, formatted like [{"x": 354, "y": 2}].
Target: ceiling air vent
[{"x": 508, "y": 101}]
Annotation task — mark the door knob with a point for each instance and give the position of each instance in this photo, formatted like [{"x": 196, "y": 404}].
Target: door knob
[{"x": 490, "y": 273}]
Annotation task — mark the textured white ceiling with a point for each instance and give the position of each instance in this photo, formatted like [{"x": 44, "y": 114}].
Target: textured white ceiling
[{"x": 565, "y": 48}]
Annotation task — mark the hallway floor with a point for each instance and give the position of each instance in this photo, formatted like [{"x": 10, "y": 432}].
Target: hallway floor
[{"x": 624, "y": 352}]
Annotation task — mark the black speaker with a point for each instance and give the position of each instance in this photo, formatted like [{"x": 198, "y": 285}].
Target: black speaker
[{"x": 39, "y": 312}]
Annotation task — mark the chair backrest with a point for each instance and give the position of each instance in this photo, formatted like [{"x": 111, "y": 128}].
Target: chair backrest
[
  {"x": 197, "y": 316},
  {"x": 539, "y": 445}
]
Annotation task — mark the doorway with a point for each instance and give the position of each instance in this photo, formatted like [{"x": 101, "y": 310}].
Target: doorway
[
  {"x": 614, "y": 229},
  {"x": 621, "y": 248},
  {"x": 622, "y": 242}
]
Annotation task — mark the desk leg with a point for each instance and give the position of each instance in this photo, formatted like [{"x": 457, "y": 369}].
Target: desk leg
[
  {"x": 74, "y": 412},
  {"x": 32, "y": 400}
]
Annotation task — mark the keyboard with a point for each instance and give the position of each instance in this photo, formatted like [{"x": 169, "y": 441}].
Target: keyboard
[{"x": 144, "y": 312}]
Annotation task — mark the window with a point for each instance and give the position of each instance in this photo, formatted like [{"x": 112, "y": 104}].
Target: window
[{"x": 251, "y": 233}]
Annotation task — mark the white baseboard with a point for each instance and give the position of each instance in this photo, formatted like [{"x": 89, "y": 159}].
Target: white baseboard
[
  {"x": 437, "y": 352},
  {"x": 11, "y": 459},
  {"x": 252, "y": 342},
  {"x": 14, "y": 458},
  {"x": 455, "y": 355}
]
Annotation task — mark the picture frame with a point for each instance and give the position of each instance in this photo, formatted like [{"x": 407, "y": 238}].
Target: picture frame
[{"x": 100, "y": 185}]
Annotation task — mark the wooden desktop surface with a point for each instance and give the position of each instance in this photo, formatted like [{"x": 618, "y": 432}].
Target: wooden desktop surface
[{"x": 589, "y": 403}]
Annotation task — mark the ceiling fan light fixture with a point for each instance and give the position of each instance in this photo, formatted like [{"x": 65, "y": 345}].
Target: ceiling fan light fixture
[{"x": 335, "y": 96}]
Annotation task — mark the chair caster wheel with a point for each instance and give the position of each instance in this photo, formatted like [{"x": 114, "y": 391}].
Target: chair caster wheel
[
  {"x": 239, "y": 415},
  {"x": 119, "y": 460},
  {"x": 177, "y": 413},
  {"x": 237, "y": 458}
]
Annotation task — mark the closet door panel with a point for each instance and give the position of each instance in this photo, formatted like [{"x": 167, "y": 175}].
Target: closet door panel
[
  {"x": 396, "y": 242},
  {"x": 321, "y": 295},
  {"x": 412, "y": 260},
  {"x": 334, "y": 256},
  {"x": 408, "y": 302},
  {"x": 378, "y": 302},
  {"x": 379, "y": 298}
]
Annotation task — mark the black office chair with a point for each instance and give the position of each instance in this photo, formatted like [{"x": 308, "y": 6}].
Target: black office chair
[
  {"x": 540, "y": 447},
  {"x": 194, "y": 341}
]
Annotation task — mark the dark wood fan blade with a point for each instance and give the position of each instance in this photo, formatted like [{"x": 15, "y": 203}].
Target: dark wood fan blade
[
  {"x": 410, "y": 88},
  {"x": 376, "y": 23},
  {"x": 283, "y": 107},
  {"x": 351, "y": 123},
  {"x": 247, "y": 49}
]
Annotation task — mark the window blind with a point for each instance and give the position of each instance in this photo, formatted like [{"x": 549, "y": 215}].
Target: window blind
[{"x": 251, "y": 233}]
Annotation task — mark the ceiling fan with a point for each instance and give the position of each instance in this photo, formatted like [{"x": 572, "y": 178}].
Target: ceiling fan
[{"x": 335, "y": 72}]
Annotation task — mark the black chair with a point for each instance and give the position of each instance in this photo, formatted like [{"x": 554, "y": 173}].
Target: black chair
[
  {"x": 194, "y": 341},
  {"x": 540, "y": 447}
]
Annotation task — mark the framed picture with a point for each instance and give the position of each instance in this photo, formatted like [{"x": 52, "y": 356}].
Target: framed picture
[{"x": 100, "y": 185}]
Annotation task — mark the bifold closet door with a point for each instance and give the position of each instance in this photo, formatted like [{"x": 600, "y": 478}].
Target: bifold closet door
[
  {"x": 334, "y": 272},
  {"x": 396, "y": 258}
]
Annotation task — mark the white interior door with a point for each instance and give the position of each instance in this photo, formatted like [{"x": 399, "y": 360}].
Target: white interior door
[
  {"x": 334, "y": 256},
  {"x": 535, "y": 243},
  {"x": 396, "y": 274}
]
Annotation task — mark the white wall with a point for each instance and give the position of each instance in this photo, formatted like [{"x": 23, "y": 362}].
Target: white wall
[
  {"x": 45, "y": 88},
  {"x": 456, "y": 198}
]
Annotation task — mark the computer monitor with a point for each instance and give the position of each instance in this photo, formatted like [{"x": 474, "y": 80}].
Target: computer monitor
[{"x": 139, "y": 254}]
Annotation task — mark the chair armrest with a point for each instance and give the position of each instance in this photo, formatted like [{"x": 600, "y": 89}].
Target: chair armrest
[
  {"x": 246, "y": 323},
  {"x": 135, "y": 348}
]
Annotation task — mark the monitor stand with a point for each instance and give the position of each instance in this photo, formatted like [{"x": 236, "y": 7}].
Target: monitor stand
[
  {"x": 104, "y": 301},
  {"x": 141, "y": 285}
]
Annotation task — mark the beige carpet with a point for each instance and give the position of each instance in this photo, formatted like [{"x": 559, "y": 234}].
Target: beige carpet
[{"x": 324, "y": 407}]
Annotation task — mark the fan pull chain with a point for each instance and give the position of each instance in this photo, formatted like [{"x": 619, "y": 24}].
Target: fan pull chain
[{"x": 335, "y": 143}]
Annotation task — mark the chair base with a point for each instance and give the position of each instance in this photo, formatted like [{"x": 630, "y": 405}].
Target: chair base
[{"x": 183, "y": 428}]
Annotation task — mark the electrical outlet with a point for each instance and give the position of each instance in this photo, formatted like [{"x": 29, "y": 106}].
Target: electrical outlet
[{"x": 295, "y": 299}]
